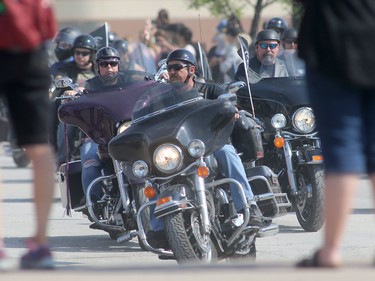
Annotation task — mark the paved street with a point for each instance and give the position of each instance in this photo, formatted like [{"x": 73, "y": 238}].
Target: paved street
[{"x": 84, "y": 253}]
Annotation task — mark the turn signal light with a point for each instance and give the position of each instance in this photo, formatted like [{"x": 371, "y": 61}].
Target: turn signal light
[
  {"x": 149, "y": 192},
  {"x": 163, "y": 200},
  {"x": 203, "y": 171},
  {"x": 279, "y": 142},
  {"x": 317, "y": 157}
]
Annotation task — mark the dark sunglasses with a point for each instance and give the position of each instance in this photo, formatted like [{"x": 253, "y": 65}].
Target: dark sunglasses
[
  {"x": 290, "y": 41},
  {"x": 77, "y": 53},
  {"x": 176, "y": 67},
  {"x": 106, "y": 63},
  {"x": 265, "y": 45}
]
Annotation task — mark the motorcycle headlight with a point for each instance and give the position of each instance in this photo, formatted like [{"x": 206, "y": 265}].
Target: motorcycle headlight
[
  {"x": 304, "y": 120},
  {"x": 140, "y": 169},
  {"x": 123, "y": 127},
  {"x": 196, "y": 148},
  {"x": 168, "y": 158},
  {"x": 278, "y": 121}
]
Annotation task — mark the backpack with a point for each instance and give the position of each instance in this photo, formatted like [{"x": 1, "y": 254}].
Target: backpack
[{"x": 25, "y": 24}]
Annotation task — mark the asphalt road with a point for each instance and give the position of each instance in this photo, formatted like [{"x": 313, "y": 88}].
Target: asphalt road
[{"x": 81, "y": 252}]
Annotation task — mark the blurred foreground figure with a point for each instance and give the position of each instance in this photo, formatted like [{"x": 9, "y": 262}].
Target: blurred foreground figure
[{"x": 24, "y": 86}]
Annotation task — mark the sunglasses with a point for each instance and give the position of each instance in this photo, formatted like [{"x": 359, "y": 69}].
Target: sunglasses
[
  {"x": 290, "y": 41},
  {"x": 271, "y": 46},
  {"x": 176, "y": 67},
  {"x": 77, "y": 53},
  {"x": 106, "y": 63}
]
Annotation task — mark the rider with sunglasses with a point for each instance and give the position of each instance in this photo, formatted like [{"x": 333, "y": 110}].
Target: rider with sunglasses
[
  {"x": 182, "y": 67},
  {"x": 79, "y": 70},
  {"x": 265, "y": 62}
]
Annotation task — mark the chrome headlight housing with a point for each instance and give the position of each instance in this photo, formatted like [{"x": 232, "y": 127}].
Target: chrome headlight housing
[
  {"x": 140, "y": 169},
  {"x": 123, "y": 127},
  {"x": 168, "y": 158},
  {"x": 278, "y": 121},
  {"x": 196, "y": 148},
  {"x": 304, "y": 120}
]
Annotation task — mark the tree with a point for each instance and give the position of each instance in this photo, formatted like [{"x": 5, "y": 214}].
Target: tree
[{"x": 226, "y": 8}]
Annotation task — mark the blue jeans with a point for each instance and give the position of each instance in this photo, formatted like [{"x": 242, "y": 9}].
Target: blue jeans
[
  {"x": 91, "y": 168},
  {"x": 230, "y": 166},
  {"x": 345, "y": 117}
]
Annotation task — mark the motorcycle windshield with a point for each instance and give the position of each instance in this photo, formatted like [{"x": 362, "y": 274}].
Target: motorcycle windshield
[{"x": 161, "y": 98}]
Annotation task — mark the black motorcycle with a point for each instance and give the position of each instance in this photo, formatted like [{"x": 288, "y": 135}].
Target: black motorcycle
[
  {"x": 169, "y": 147},
  {"x": 101, "y": 115},
  {"x": 291, "y": 143}
]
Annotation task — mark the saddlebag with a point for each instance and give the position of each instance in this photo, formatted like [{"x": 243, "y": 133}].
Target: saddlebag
[
  {"x": 71, "y": 184},
  {"x": 247, "y": 138}
]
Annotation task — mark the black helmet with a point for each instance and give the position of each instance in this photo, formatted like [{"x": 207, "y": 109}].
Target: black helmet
[
  {"x": 85, "y": 41},
  {"x": 267, "y": 34},
  {"x": 107, "y": 53},
  {"x": 290, "y": 33},
  {"x": 182, "y": 55},
  {"x": 121, "y": 46},
  {"x": 64, "y": 40},
  {"x": 277, "y": 24}
]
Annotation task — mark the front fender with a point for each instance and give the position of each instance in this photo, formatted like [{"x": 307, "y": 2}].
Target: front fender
[{"x": 173, "y": 199}]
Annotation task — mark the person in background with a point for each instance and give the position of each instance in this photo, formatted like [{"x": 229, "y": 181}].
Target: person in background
[
  {"x": 337, "y": 43},
  {"x": 289, "y": 55},
  {"x": 231, "y": 60},
  {"x": 277, "y": 24},
  {"x": 24, "y": 85}
]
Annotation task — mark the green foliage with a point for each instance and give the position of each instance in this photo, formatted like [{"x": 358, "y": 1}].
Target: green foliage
[{"x": 221, "y": 7}]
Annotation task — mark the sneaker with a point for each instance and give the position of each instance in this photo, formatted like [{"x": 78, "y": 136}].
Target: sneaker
[
  {"x": 157, "y": 239},
  {"x": 38, "y": 257},
  {"x": 2, "y": 260}
]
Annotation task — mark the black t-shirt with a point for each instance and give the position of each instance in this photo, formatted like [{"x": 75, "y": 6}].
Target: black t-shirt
[{"x": 338, "y": 38}]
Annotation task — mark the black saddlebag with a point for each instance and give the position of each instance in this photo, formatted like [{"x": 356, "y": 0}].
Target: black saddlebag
[
  {"x": 247, "y": 138},
  {"x": 71, "y": 184}
]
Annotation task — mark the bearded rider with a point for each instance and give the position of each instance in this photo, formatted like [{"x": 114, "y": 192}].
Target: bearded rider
[{"x": 265, "y": 61}]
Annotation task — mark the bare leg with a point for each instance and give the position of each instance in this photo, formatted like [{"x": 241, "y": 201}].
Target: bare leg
[
  {"x": 42, "y": 159},
  {"x": 338, "y": 197}
]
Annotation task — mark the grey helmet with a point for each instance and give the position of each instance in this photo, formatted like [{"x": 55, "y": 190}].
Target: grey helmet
[
  {"x": 182, "y": 55},
  {"x": 107, "y": 53},
  {"x": 267, "y": 34},
  {"x": 277, "y": 24},
  {"x": 290, "y": 33}
]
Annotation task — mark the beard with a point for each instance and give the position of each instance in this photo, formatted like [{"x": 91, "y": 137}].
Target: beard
[{"x": 268, "y": 59}]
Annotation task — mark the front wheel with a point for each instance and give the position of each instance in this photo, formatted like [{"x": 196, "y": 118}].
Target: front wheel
[
  {"x": 309, "y": 202},
  {"x": 186, "y": 239}
]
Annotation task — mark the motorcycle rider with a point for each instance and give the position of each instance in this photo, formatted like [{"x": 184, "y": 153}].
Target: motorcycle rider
[
  {"x": 277, "y": 24},
  {"x": 107, "y": 64},
  {"x": 79, "y": 70},
  {"x": 181, "y": 67},
  {"x": 294, "y": 64},
  {"x": 63, "y": 40},
  {"x": 265, "y": 62}
]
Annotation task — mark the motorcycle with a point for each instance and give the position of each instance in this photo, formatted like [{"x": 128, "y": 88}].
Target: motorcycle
[
  {"x": 101, "y": 115},
  {"x": 292, "y": 147},
  {"x": 169, "y": 146}
]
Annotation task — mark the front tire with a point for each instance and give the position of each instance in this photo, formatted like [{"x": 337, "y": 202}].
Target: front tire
[
  {"x": 309, "y": 210},
  {"x": 186, "y": 239}
]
